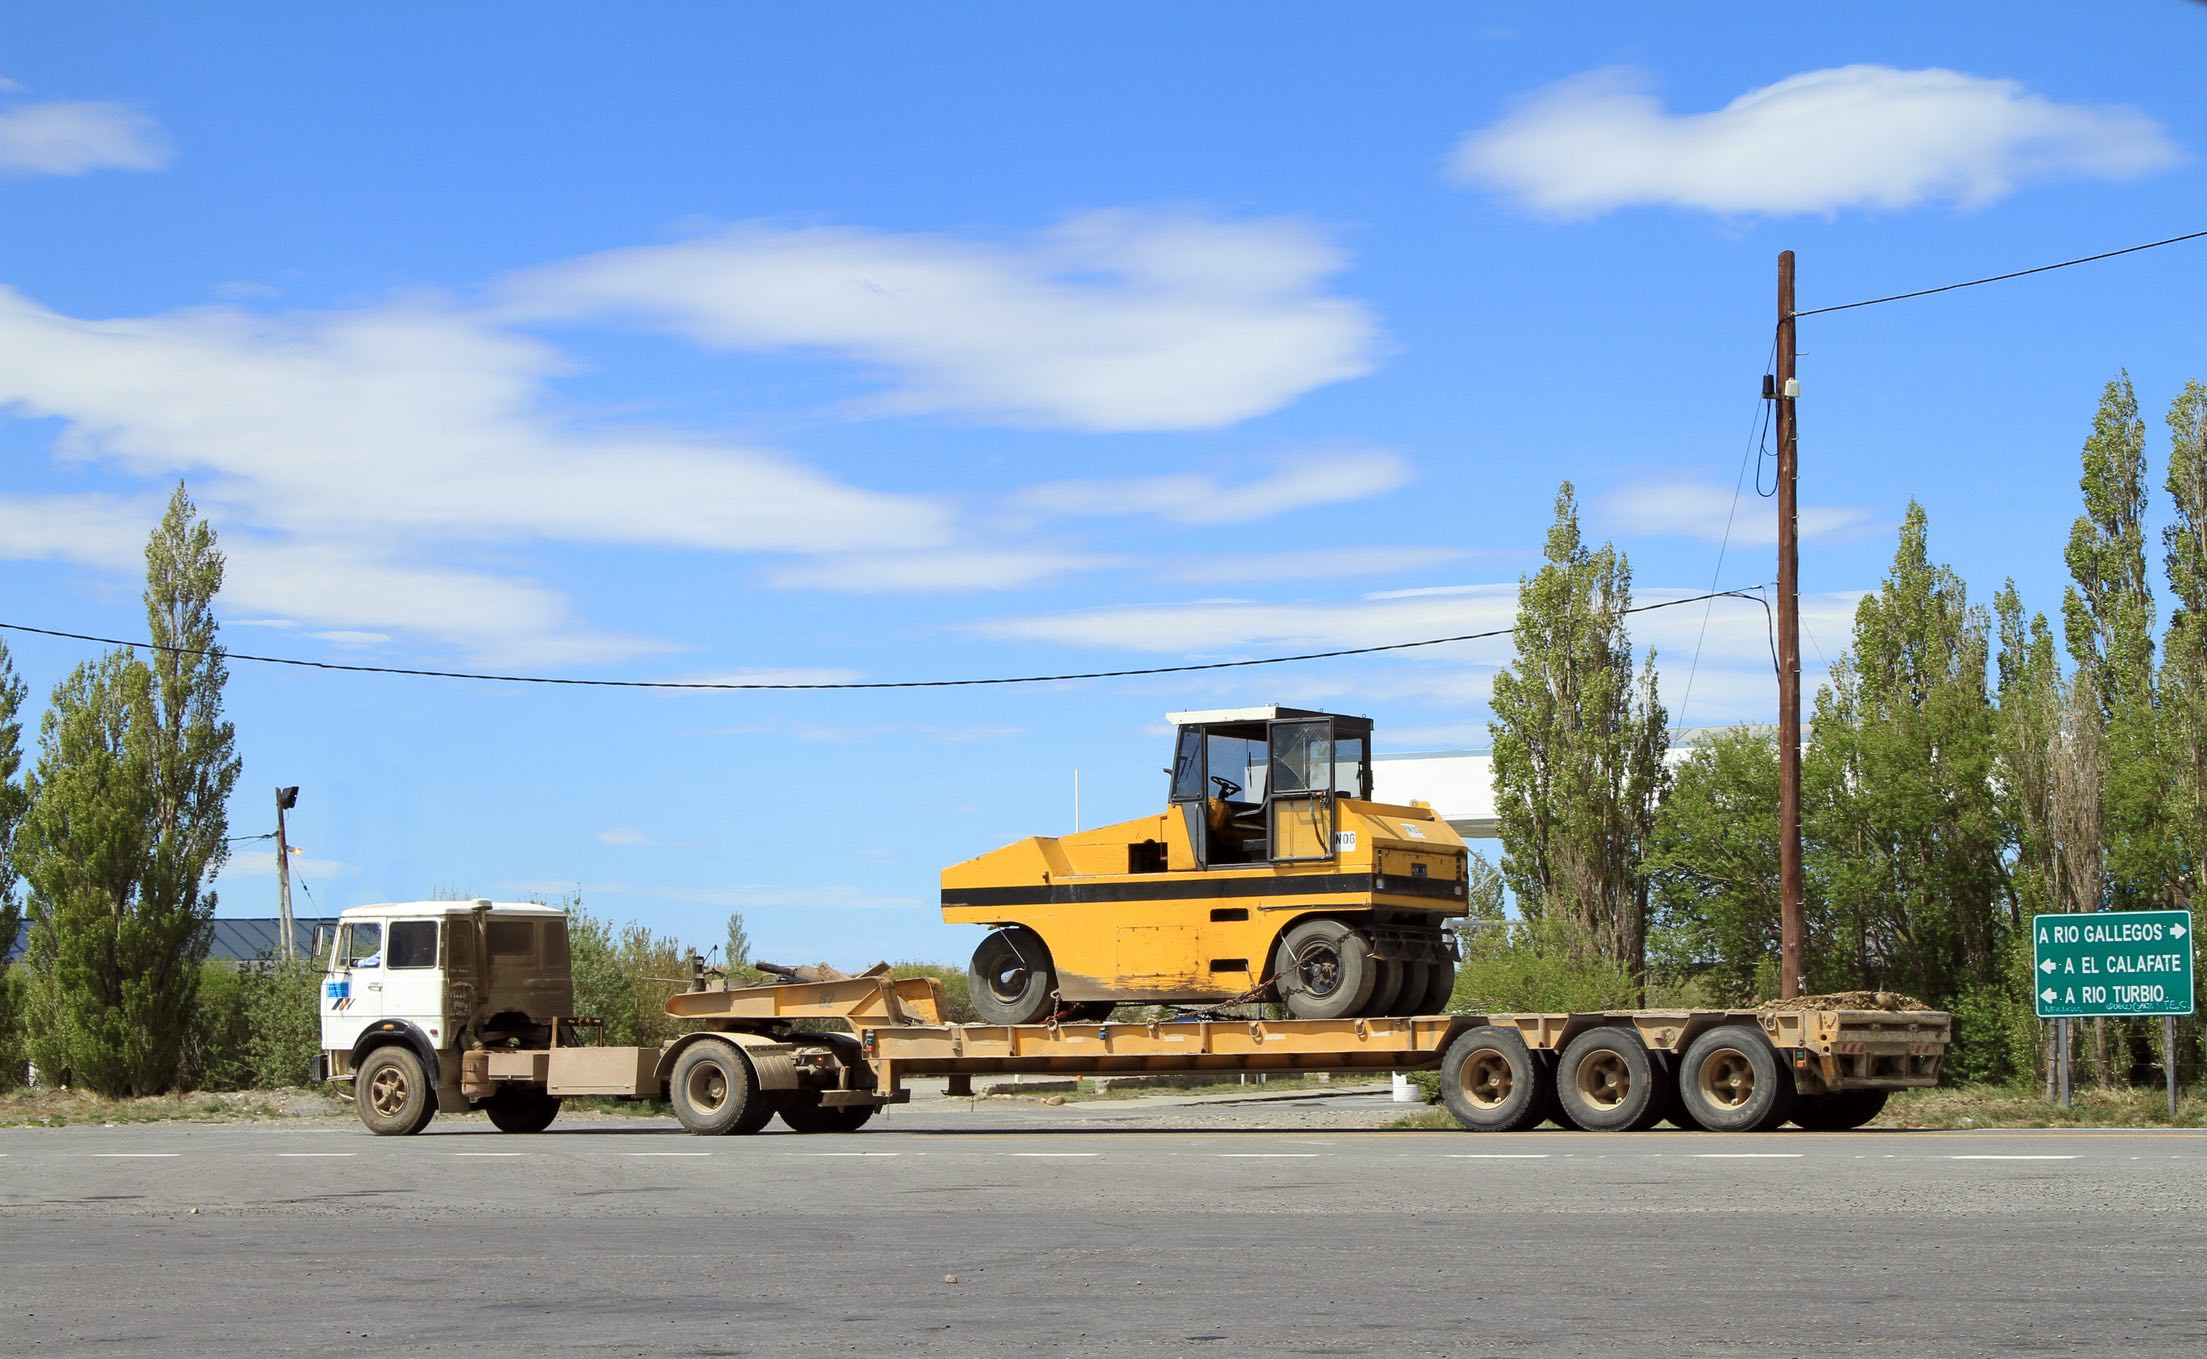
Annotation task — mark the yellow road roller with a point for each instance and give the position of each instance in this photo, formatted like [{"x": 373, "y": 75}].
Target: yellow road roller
[{"x": 1270, "y": 875}]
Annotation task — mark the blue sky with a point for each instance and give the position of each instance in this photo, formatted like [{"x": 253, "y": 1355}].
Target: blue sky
[{"x": 878, "y": 343}]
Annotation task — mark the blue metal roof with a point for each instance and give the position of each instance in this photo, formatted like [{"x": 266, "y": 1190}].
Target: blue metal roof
[{"x": 236, "y": 939}]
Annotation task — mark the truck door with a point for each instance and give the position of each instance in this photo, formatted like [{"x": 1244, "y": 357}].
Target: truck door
[
  {"x": 1299, "y": 791},
  {"x": 413, "y": 985},
  {"x": 352, "y": 988}
]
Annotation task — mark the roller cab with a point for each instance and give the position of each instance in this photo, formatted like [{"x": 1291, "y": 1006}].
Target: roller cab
[{"x": 1270, "y": 874}]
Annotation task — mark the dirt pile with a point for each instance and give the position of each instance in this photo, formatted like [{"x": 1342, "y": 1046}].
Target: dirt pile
[{"x": 1891, "y": 1001}]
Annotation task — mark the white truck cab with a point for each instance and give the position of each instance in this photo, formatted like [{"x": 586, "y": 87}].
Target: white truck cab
[{"x": 412, "y": 987}]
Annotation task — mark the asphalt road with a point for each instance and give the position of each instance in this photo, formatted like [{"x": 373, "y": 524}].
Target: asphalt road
[{"x": 1098, "y": 1230}]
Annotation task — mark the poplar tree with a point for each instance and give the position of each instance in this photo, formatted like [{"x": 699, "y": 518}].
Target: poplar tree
[
  {"x": 1579, "y": 741},
  {"x": 1713, "y": 863},
  {"x": 13, "y": 802},
  {"x": 1904, "y": 841},
  {"x": 2027, "y": 747},
  {"x": 2184, "y": 650},
  {"x": 126, "y": 824},
  {"x": 2107, "y": 621}
]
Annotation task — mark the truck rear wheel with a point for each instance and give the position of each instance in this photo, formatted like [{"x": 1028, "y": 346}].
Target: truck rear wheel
[
  {"x": 1011, "y": 979},
  {"x": 806, "y": 1114},
  {"x": 1606, "y": 1081},
  {"x": 1732, "y": 1081},
  {"x": 1324, "y": 970},
  {"x": 1840, "y": 1112},
  {"x": 712, "y": 1089},
  {"x": 521, "y": 1109},
  {"x": 393, "y": 1094},
  {"x": 1492, "y": 1082}
]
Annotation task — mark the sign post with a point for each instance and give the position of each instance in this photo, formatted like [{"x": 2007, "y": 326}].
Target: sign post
[{"x": 2096, "y": 964}]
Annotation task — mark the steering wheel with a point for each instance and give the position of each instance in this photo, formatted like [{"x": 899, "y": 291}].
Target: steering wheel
[{"x": 1226, "y": 787}]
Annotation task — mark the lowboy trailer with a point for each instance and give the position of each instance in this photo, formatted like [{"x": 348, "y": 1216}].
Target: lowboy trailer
[{"x": 760, "y": 1052}]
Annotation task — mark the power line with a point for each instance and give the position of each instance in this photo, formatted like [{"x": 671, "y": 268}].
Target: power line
[
  {"x": 851, "y": 684},
  {"x": 2002, "y": 278},
  {"x": 1762, "y": 416}
]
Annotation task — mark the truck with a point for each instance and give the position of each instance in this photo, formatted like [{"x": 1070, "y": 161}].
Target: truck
[{"x": 443, "y": 1006}]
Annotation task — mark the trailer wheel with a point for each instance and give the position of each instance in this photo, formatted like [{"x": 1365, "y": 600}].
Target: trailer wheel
[
  {"x": 1606, "y": 1081},
  {"x": 1492, "y": 1082},
  {"x": 804, "y": 1113},
  {"x": 712, "y": 1089},
  {"x": 1011, "y": 977},
  {"x": 1840, "y": 1112},
  {"x": 1324, "y": 970},
  {"x": 1732, "y": 1081},
  {"x": 392, "y": 1092},
  {"x": 1674, "y": 1106},
  {"x": 521, "y": 1109}
]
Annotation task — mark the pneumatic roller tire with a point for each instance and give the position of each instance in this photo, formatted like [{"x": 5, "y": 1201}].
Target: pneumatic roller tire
[
  {"x": 1011, "y": 979},
  {"x": 1393, "y": 979},
  {"x": 1325, "y": 970},
  {"x": 1440, "y": 988},
  {"x": 1841, "y": 1112},
  {"x": 1492, "y": 1082},
  {"x": 1607, "y": 1081},
  {"x": 1732, "y": 1080}
]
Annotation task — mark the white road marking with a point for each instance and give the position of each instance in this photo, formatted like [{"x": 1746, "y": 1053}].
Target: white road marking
[
  {"x": 846, "y": 1153},
  {"x": 488, "y": 1153},
  {"x": 134, "y": 1155},
  {"x": 1057, "y": 1155},
  {"x": 1747, "y": 1155},
  {"x": 666, "y": 1153},
  {"x": 1267, "y": 1155},
  {"x": 1498, "y": 1156},
  {"x": 312, "y": 1155},
  {"x": 2011, "y": 1158}
]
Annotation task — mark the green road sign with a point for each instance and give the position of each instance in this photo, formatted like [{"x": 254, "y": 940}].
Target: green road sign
[{"x": 2112, "y": 963}]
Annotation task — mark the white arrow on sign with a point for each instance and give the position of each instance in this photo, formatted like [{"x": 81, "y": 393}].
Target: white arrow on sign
[
  {"x": 2046, "y": 966},
  {"x": 2176, "y": 931},
  {"x": 2048, "y": 995}
]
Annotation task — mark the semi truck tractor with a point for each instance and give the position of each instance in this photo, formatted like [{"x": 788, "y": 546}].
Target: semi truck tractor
[{"x": 455, "y": 1006}]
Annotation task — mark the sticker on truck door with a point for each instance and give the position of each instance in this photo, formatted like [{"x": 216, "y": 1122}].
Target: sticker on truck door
[{"x": 1344, "y": 842}]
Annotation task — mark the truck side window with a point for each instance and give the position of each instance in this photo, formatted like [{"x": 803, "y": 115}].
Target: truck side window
[
  {"x": 413, "y": 944},
  {"x": 512, "y": 938},
  {"x": 555, "y": 943},
  {"x": 361, "y": 943}
]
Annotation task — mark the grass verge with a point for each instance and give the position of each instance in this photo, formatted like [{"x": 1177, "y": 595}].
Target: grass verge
[{"x": 66, "y": 1108}]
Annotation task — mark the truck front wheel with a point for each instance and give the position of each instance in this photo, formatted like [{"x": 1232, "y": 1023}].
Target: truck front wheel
[
  {"x": 392, "y": 1092},
  {"x": 521, "y": 1109},
  {"x": 712, "y": 1088}
]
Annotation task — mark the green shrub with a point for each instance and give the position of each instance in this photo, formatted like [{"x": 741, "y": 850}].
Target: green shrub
[
  {"x": 15, "y": 1054},
  {"x": 283, "y": 1022},
  {"x": 1538, "y": 964},
  {"x": 214, "y": 1054},
  {"x": 957, "y": 999}
]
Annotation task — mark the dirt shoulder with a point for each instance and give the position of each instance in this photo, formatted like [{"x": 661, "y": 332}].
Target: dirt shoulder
[{"x": 64, "y": 1107}]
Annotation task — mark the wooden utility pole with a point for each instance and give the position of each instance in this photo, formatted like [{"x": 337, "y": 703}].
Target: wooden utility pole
[
  {"x": 287, "y": 944},
  {"x": 1789, "y": 651}
]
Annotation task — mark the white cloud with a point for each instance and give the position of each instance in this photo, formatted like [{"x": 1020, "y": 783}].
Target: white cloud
[
  {"x": 1700, "y": 510},
  {"x": 350, "y": 637},
  {"x": 1866, "y": 137},
  {"x": 1323, "y": 563},
  {"x": 1300, "y": 481},
  {"x": 623, "y": 837},
  {"x": 935, "y": 572},
  {"x": 354, "y": 462},
  {"x": 1111, "y": 321},
  {"x": 77, "y": 136}
]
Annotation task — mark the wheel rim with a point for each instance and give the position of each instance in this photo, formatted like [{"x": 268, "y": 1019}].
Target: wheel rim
[
  {"x": 1486, "y": 1078},
  {"x": 1008, "y": 981},
  {"x": 1604, "y": 1080},
  {"x": 1318, "y": 967},
  {"x": 387, "y": 1092},
  {"x": 707, "y": 1087},
  {"x": 1728, "y": 1079}
]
